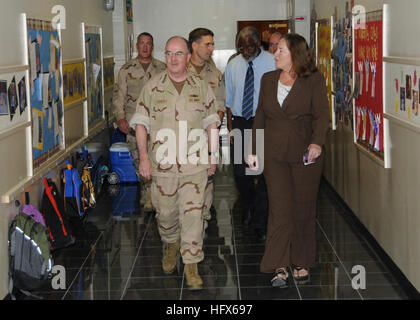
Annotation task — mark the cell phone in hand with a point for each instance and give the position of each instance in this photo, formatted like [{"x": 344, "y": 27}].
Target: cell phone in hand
[{"x": 305, "y": 159}]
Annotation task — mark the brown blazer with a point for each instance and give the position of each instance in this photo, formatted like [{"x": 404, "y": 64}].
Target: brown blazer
[{"x": 302, "y": 120}]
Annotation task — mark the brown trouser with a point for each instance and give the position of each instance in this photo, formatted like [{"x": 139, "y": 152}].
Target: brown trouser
[{"x": 292, "y": 193}]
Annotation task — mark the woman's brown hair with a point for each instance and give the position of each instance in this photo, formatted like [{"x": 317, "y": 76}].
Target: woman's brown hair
[{"x": 302, "y": 60}]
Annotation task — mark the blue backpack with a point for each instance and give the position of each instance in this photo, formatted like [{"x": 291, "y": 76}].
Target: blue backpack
[{"x": 72, "y": 191}]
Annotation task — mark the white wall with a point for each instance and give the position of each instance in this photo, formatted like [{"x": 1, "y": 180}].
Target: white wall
[
  {"x": 163, "y": 18},
  {"x": 303, "y": 27}
]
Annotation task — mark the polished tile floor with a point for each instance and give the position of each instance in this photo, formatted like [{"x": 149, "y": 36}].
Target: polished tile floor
[{"x": 118, "y": 252}]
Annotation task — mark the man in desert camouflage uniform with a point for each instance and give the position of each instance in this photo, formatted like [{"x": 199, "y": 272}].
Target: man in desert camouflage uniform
[
  {"x": 177, "y": 108},
  {"x": 201, "y": 42},
  {"x": 131, "y": 79}
]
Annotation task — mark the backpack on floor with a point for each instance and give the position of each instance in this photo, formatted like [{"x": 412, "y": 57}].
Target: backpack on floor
[
  {"x": 30, "y": 258},
  {"x": 98, "y": 173},
  {"x": 83, "y": 165},
  {"x": 88, "y": 191},
  {"x": 31, "y": 211},
  {"x": 55, "y": 217},
  {"x": 72, "y": 192}
]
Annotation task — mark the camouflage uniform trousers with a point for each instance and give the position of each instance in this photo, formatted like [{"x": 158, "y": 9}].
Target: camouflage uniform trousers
[
  {"x": 208, "y": 199},
  {"x": 145, "y": 186},
  {"x": 179, "y": 205}
]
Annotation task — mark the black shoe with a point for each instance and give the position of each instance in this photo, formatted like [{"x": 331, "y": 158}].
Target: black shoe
[
  {"x": 260, "y": 233},
  {"x": 247, "y": 217},
  {"x": 212, "y": 210}
]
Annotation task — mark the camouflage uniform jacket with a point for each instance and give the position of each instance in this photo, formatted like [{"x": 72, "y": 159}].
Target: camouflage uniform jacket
[
  {"x": 188, "y": 115},
  {"x": 214, "y": 78},
  {"x": 131, "y": 80}
]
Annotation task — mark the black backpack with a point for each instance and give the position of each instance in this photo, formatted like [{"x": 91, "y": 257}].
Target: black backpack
[{"x": 55, "y": 217}]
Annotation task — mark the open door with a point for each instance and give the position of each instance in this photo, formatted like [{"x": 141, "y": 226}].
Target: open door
[{"x": 266, "y": 28}]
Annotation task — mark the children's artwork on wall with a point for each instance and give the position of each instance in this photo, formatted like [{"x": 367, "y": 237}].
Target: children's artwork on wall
[
  {"x": 4, "y": 109},
  {"x": 109, "y": 77},
  {"x": 23, "y": 102},
  {"x": 129, "y": 10},
  {"x": 13, "y": 100},
  {"x": 324, "y": 57},
  {"x": 402, "y": 91},
  {"x": 45, "y": 82},
  {"x": 94, "y": 74},
  {"x": 368, "y": 91},
  {"x": 415, "y": 104},
  {"x": 73, "y": 82},
  {"x": 342, "y": 72}
]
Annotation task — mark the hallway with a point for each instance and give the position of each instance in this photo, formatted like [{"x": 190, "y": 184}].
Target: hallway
[{"x": 118, "y": 257}]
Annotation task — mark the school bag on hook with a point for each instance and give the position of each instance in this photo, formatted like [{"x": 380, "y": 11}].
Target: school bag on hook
[
  {"x": 73, "y": 192},
  {"x": 55, "y": 217},
  {"x": 84, "y": 165}
]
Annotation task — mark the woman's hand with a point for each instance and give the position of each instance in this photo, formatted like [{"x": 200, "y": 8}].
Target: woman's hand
[
  {"x": 253, "y": 162},
  {"x": 314, "y": 151}
]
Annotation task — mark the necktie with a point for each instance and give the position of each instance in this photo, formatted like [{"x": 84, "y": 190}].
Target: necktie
[{"x": 248, "y": 100}]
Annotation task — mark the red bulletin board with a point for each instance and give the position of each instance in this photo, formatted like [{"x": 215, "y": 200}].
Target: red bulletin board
[{"x": 368, "y": 87}]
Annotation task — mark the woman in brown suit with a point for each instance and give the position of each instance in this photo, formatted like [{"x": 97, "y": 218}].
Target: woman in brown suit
[{"x": 293, "y": 111}]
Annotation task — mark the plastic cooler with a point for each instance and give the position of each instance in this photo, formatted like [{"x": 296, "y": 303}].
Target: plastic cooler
[
  {"x": 122, "y": 162},
  {"x": 127, "y": 202}
]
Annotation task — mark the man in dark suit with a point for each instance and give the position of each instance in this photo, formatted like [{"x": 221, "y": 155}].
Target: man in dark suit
[{"x": 242, "y": 78}]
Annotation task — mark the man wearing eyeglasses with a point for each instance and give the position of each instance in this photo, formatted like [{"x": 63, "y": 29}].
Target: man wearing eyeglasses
[
  {"x": 201, "y": 41},
  {"x": 242, "y": 79},
  {"x": 178, "y": 110},
  {"x": 131, "y": 78}
]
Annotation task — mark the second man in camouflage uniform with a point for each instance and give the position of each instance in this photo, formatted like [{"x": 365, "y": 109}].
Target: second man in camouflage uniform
[
  {"x": 201, "y": 42},
  {"x": 131, "y": 79}
]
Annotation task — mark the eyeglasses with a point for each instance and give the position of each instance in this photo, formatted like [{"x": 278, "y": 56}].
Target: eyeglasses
[{"x": 177, "y": 54}]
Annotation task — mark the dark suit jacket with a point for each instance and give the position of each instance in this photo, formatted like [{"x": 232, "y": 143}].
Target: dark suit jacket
[{"x": 303, "y": 119}]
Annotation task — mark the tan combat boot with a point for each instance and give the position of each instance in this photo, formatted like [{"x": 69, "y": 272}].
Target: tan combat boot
[
  {"x": 169, "y": 260},
  {"x": 194, "y": 281}
]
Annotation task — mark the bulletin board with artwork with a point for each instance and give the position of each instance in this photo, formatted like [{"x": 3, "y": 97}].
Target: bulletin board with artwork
[
  {"x": 342, "y": 55},
  {"x": 14, "y": 105},
  {"x": 368, "y": 93},
  {"x": 129, "y": 10},
  {"x": 323, "y": 47},
  {"x": 109, "y": 76},
  {"x": 94, "y": 74},
  {"x": 402, "y": 84},
  {"x": 45, "y": 82},
  {"x": 73, "y": 82}
]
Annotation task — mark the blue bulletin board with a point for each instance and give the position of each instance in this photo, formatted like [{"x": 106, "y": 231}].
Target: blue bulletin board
[
  {"x": 94, "y": 75},
  {"x": 45, "y": 83}
]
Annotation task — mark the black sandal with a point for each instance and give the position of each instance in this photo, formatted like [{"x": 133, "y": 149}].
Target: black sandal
[
  {"x": 278, "y": 281},
  {"x": 300, "y": 278}
]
